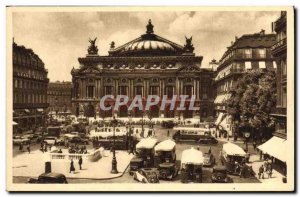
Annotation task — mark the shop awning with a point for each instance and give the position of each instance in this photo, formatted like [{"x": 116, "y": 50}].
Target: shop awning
[
  {"x": 15, "y": 123},
  {"x": 40, "y": 110},
  {"x": 220, "y": 116},
  {"x": 275, "y": 147},
  {"x": 27, "y": 110}
]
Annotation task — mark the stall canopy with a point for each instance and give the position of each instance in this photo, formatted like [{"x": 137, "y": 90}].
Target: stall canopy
[
  {"x": 219, "y": 118},
  {"x": 146, "y": 143},
  {"x": 192, "y": 156},
  {"x": 166, "y": 145},
  {"x": 269, "y": 147},
  {"x": 233, "y": 149}
]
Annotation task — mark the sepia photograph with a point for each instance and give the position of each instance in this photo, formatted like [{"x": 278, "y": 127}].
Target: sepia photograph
[{"x": 158, "y": 99}]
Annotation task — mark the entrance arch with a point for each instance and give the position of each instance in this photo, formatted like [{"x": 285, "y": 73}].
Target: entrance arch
[
  {"x": 90, "y": 110},
  {"x": 123, "y": 111},
  {"x": 154, "y": 111}
]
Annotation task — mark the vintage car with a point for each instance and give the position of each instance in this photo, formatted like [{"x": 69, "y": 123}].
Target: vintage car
[
  {"x": 17, "y": 140},
  {"x": 167, "y": 171},
  {"x": 219, "y": 175},
  {"x": 165, "y": 151},
  {"x": 209, "y": 159},
  {"x": 49, "y": 178},
  {"x": 168, "y": 124},
  {"x": 207, "y": 140},
  {"x": 50, "y": 140},
  {"x": 232, "y": 156},
  {"x": 78, "y": 140},
  {"x": 146, "y": 175},
  {"x": 144, "y": 154},
  {"x": 191, "y": 166},
  {"x": 135, "y": 164}
]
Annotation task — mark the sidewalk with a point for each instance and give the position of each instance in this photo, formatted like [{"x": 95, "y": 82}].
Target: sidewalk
[
  {"x": 32, "y": 165},
  {"x": 256, "y": 163}
]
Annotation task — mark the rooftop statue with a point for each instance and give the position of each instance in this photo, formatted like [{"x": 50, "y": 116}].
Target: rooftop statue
[
  {"x": 188, "y": 47},
  {"x": 93, "y": 49}
]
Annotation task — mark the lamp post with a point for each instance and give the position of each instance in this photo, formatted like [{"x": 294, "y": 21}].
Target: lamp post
[{"x": 114, "y": 159}]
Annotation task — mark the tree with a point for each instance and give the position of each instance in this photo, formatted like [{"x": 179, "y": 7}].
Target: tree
[{"x": 253, "y": 100}]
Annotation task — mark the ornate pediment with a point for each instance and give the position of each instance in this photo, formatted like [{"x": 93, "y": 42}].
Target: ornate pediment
[
  {"x": 90, "y": 70},
  {"x": 189, "y": 68}
]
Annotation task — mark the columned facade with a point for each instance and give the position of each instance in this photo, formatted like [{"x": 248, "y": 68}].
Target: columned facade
[{"x": 148, "y": 65}]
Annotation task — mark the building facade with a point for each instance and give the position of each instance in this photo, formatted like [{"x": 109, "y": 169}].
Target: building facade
[
  {"x": 279, "y": 51},
  {"x": 250, "y": 51},
  {"x": 59, "y": 97},
  {"x": 148, "y": 65},
  {"x": 30, "y": 85}
]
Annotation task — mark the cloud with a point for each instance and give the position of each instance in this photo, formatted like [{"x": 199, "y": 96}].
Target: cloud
[{"x": 59, "y": 38}]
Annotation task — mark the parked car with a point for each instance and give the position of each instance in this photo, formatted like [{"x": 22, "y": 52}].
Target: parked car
[
  {"x": 219, "y": 174},
  {"x": 79, "y": 140},
  {"x": 19, "y": 139},
  {"x": 167, "y": 171},
  {"x": 209, "y": 159},
  {"x": 207, "y": 140},
  {"x": 50, "y": 140},
  {"x": 168, "y": 124},
  {"x": 146, "y": 175},
  {"x": 135, "y": 164},
  {"x": 49, "y": 178}
]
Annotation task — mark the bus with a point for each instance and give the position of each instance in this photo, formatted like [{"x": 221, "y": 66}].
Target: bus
[{"x": 190, "y": 133}]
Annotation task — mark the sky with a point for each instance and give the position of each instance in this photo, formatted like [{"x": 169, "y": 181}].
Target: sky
[{"x": 59, "y": 38}]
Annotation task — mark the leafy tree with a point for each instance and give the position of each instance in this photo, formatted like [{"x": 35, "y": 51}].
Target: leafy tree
[{"x": 253, "y": 100}]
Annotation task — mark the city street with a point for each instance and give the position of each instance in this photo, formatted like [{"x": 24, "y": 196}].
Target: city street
[{"x": 160, "y": 134}]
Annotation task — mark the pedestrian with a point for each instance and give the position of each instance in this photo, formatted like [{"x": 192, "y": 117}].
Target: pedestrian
[
  {"x": 80, "y": 163},
  {"x": 20, "y": 147},
  {"x": 72, "y": 168},
  {"x": 261, "y": 172},
  {"x": 28, "y": 149},
  {"x": 209, "y": 150},
  {"x": 168, "y": 134},
  {"x": 131, "y": 148},
  {"x": 254, "y": 144},
  {"x": 270, "y": 169}
]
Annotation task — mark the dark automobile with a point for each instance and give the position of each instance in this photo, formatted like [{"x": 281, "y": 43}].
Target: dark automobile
[
  {"x": 135, "y": 164},
  {"x": 78, "y": 140},
  {"x": 49, "y": 178},
  {"x": 146, "y": 175},
  {"x": 219, "y": 174},
  {"x": 167, "y": 171},
  {"x": 168, "y": 124},
  {"x": 209, "y": 159},
  {"x": 207, "y": 140}
]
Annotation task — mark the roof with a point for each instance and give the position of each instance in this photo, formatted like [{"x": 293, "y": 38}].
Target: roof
[
  {"x": 192, "y": 156},
  {"x": 52, "y": 174},
  {"x": 233, "y": 149},
  {"x": 146, "y": 143},
  {"x": 27, "y": 53},
  {"x": 256, "y": 40},
  {"x": 166, "y": 145},
  {"x": 148, "y": 44}
]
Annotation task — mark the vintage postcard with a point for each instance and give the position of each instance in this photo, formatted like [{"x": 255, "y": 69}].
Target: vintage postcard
[{"x": 150, "y": 99}]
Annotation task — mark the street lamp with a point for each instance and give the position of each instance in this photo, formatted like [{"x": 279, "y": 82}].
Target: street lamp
[{"x": 114, "y": 159}]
